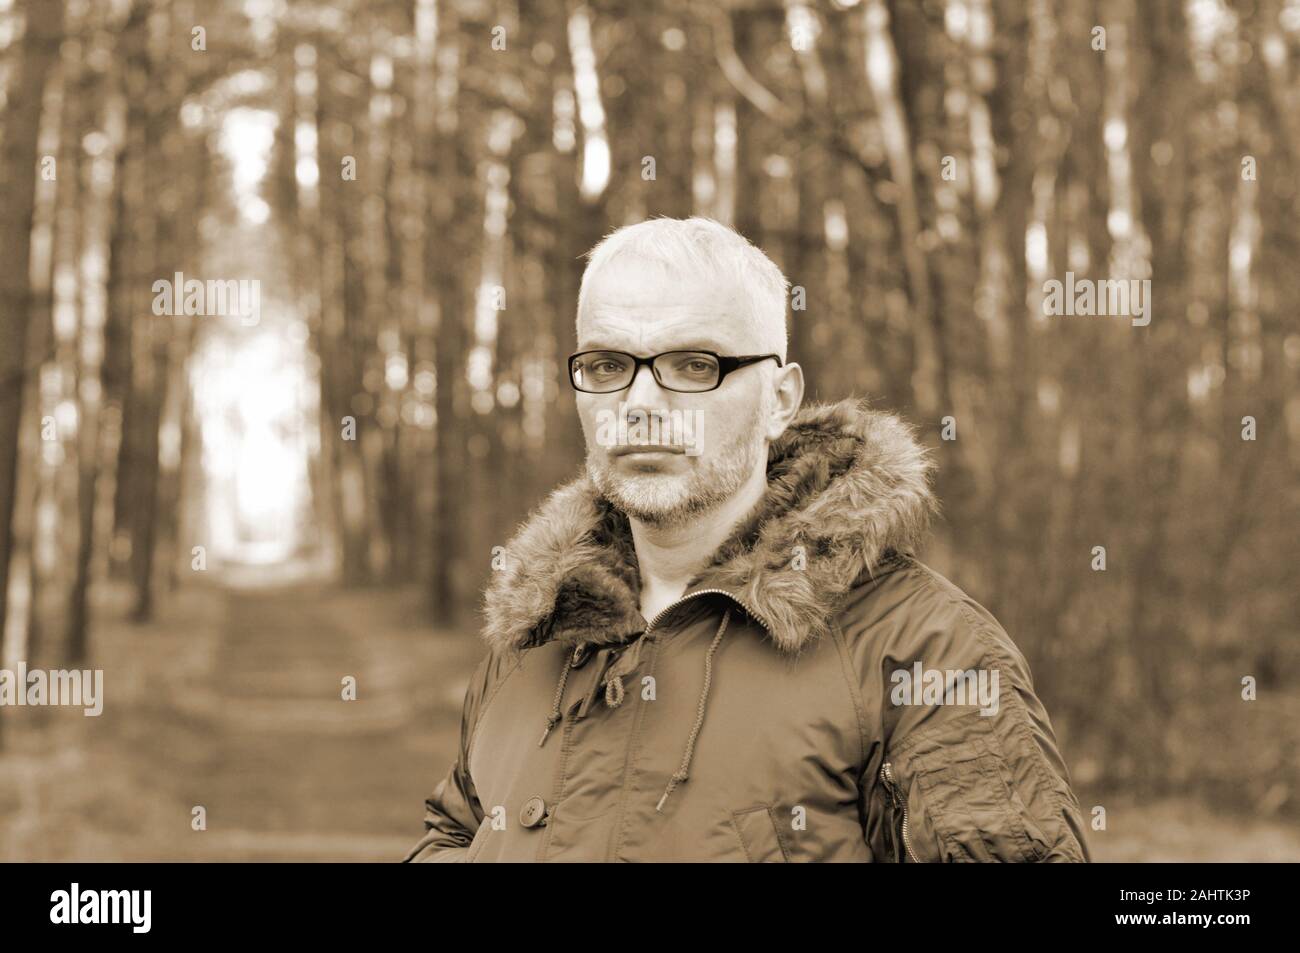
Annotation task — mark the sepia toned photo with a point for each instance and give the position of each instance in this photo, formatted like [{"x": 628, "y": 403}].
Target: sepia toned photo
[{"x": 691, "y": 431}]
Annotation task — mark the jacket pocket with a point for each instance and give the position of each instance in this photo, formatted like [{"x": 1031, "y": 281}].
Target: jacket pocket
[
  {"x": 759, "y": 836},
  {"x": 480, "y": 838},
  {"x": 573, "y": 837},
  {"x": 962, "y": 800}
]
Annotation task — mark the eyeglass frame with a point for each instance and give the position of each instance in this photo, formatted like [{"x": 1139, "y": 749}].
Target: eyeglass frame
[{"x": 726, "y": 365}]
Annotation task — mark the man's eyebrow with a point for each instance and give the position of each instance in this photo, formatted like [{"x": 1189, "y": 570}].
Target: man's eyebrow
[{"x": 701, "y": 344}]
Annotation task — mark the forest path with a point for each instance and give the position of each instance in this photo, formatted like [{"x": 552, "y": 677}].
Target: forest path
[{"x": 232, "y": 702}]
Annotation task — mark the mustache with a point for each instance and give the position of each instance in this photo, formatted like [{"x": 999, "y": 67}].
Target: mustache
[{"x": 628, "y": 430}]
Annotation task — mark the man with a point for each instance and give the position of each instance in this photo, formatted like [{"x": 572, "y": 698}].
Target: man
[{"x": 717, "y": 645}]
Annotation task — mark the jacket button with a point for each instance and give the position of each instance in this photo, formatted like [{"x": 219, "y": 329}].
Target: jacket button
[{"x": 533, "y": 812}]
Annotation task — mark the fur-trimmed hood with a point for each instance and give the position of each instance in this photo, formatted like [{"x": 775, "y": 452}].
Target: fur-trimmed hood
[{"x": 848, "y": 484}]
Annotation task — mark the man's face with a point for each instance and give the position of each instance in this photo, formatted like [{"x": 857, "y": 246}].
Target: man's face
[{"x": 660, "y": 455}]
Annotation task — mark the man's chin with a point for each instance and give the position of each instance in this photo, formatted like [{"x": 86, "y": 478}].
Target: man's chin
[{"x": 658, "y": 499}]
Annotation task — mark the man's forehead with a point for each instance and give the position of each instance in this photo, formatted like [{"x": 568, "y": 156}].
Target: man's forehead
[
  {"x": 644, "y": 303},
  {"x": 663, "y": 331},
  {"x": 713, "y": 325},
  {"x": 632, "y": 282}
]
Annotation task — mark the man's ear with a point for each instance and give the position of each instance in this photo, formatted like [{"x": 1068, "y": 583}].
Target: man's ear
[{"x": 787, "y": 384}]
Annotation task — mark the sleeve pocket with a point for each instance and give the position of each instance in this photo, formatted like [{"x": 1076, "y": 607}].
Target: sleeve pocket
[{"x": 963, "y": 801}]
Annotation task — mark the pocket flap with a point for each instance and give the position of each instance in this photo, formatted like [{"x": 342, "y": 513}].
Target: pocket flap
[
  {"x": 759, "y": 836},
  {"x": 961, "y": 799}
]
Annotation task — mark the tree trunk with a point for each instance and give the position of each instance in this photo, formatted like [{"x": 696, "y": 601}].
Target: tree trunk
[{"x": 40, "y": 46}]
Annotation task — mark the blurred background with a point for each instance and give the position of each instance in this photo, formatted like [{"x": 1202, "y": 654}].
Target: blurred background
[{"x": 231, "y": 512}]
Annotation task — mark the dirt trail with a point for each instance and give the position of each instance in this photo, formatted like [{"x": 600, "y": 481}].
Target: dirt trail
[{"x": 233, "y": 702}]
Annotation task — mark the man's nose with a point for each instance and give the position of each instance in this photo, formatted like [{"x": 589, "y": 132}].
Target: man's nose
[{"x": 644, "y": 393}]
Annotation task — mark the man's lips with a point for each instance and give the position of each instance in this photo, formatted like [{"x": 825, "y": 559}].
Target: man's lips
[{"x": 625, "y": 449}]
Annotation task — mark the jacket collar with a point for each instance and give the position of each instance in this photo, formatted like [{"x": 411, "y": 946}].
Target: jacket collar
[{"x": 847, "y": 484}]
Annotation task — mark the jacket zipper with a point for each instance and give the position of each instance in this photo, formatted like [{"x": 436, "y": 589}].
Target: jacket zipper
[
  {"x": 887, "y": 775},
  {"x": 687, "y": 598},
  {"x": 703, "y": 592}
]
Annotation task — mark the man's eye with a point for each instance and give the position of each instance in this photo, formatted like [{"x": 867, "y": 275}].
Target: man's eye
[
  {"x": 606, "y": 367},
  {"x": 697, "y": 367}
]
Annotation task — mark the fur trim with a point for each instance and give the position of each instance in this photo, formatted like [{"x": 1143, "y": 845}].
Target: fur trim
[{"x": 848, "y": 484}]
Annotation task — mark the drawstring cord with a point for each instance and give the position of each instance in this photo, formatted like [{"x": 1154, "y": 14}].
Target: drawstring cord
[
  {"x": 554, "y": 717},
  {"x": 682, "y": 773},
  {"x": 614, "y": 693}
]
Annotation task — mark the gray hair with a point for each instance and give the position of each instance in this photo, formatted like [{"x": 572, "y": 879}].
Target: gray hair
[{"x": 709, "y": 249}]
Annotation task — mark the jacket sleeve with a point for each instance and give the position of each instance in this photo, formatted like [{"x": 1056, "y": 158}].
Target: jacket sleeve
[
  {"x": 982, "y": 781},
  {"x": 452, "y": 813}
]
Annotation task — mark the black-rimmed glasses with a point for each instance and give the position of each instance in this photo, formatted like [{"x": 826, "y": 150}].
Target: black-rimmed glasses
[{"x": 686, "y": 372}]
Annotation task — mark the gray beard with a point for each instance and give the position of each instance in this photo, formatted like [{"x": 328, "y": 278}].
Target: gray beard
[{"x": 659, "y": 500}]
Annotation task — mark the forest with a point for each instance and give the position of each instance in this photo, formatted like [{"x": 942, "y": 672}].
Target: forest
[{"x": 287, "y": 289}]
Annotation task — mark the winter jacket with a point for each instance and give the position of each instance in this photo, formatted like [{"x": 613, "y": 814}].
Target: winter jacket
[{"x": 773, "y": 713}]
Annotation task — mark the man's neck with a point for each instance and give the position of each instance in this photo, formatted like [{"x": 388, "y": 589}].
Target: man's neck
[{"x": 671, "y": 555}]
